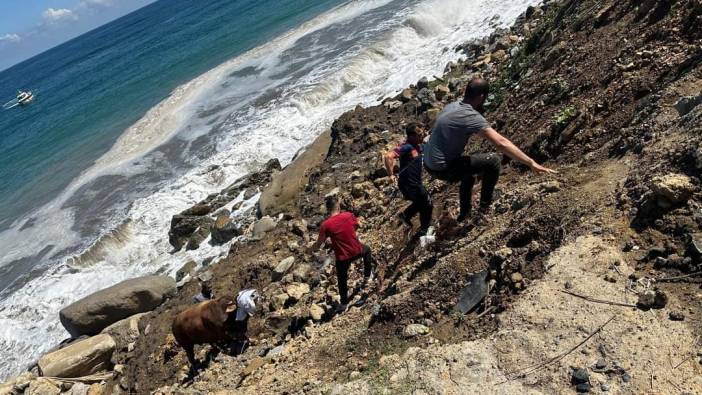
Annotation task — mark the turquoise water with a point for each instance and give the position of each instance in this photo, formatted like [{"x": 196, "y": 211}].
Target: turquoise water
[{"x": 94, "y": 87}]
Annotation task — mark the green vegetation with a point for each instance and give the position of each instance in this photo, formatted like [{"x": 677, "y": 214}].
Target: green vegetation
[{"x": 564, "y": 117}]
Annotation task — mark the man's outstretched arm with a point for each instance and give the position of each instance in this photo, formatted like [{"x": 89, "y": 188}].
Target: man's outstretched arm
[{"x": 506, "y": 147}]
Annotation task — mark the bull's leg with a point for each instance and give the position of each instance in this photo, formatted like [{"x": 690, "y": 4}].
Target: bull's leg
[{"x": 190, "y": 353}]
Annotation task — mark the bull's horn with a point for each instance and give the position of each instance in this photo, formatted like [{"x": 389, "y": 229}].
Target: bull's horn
[{"x": 231, "y": 308}]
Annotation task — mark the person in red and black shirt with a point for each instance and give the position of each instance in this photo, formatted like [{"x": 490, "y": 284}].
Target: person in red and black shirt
[
  {"x": 340, "y": 228},
  {"x": 409, "y": 178}
]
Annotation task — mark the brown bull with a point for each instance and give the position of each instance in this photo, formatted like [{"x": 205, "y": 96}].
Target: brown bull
[{"x": 203, "y": 323}]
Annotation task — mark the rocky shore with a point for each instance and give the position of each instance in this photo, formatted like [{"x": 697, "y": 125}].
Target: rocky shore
[{"x": 590, "y": 280}]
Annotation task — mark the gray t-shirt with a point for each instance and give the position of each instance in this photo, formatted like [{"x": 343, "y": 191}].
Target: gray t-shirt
[{"x": 450, "y": 134}]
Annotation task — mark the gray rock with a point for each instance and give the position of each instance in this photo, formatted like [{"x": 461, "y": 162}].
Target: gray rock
[
  {"x": 197, "y": 238},
  {"x": 282, "y": 268},
  {"x": 187, "y": 269},
  {"x": 551, "y": 186},
  {"x": 79, "y": 359},
  {"x": 474, "y": 291},
  {"x": 333, "y": 192},
  {"x": 676, "y": 316},
  {"x": 183, "y": 227},
  {"x": 263, "y": 226},
  {"x": 79, "y": 389},
  {"x": 686, "y": 104},
  {"x": 579, "y": 376},
  {"x": 125, "y": 331},
  {"x": 392, "y": 105},
  {"x": 276, "y": 352},
  {"x": 426, "y": 98},
  {"x": 92, "y": 314},
  {"x": 279, "y": 301},
  {"x": 655, "y": 299},
  {"x": 422, "y": 83},
  {"x": 302, "y": 273}
]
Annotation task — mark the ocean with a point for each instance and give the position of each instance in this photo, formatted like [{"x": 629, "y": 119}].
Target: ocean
[{"x": 143, "y": 117}]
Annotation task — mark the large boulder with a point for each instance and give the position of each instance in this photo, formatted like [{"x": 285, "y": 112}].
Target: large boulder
[
  {"x": 224, "y": 230},
  {"x": 79, "y": 359},
  {"x": 125, "y": 331},
  {"x": 92, "y": 314}
]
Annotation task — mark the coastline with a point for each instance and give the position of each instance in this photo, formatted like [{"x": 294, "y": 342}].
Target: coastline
[{"x": 536, "y": 227}]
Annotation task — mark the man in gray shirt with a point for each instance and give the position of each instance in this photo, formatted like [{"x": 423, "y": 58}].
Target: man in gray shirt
[{"x": 443, "y": 154}]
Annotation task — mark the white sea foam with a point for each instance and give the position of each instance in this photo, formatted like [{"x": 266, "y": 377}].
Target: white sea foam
[{"x": 404, "y": 48}]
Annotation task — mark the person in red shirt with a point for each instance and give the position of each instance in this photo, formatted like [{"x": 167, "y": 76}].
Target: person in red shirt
[{"x": 341, "y": 227}]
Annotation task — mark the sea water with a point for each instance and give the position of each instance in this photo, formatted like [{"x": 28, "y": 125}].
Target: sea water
[{"x": 143, "y": 117}]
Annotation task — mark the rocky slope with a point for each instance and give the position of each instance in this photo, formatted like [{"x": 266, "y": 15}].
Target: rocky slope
[
  {"x": 603, "y": 91},
  {"x": 592, "y": 275}
]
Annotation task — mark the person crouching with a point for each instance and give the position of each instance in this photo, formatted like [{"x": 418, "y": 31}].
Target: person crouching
[{"x": 409, "y": 178}]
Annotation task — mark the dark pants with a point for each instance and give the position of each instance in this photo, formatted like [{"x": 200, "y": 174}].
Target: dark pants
[
  {"x": 464, "y": 169},
  {"x": 421, "y": 203},
  {"x": 342, "y": 272}
]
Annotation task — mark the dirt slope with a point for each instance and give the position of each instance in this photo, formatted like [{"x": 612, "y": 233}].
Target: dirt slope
[{"x": 592, "y": 88}]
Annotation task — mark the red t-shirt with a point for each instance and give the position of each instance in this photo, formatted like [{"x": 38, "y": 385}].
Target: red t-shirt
[{"x": 341, "y": 229}]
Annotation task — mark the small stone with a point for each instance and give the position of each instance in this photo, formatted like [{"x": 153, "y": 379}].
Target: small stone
[
  {"x": 609, "y": 278},
  {"x": 652, "y": 300},
  {"x": 333, "y": 192},
  {"x": 282, "y": 268},
  {"x": 568, "y": 285},
  {"x": 297, "y": 290},
  {"x": 601, "y": 363},
  {"x": 551, "y": 186},
  {"x": 279, "y": 301},
  {"x": 626, "y": 377},
  {"x": 580, "y": 376},
  {"x": 414, "y": 330},
  {"x": 687, "y": 104},
  {"x": 355, "y": 375},
  {"x": 316, "y": 312},
  {"x": 276, "y": 352},
  {"x": 441, "y": 91},
  {"x": 262, "y": 226},
  {"x": 406, "y": 95},
  {"x": 604, "y": 387},
  {"x": 676, "y": 316},
  {"x": 516, "y": 277},
  {"x": 422, "y": 83}
]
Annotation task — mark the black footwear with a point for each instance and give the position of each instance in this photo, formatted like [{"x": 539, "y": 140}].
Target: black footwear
[
  {"x": 462, "y": 217},
  {"x": 404, "y": 219},
  {"x": 341, "y": 308}
]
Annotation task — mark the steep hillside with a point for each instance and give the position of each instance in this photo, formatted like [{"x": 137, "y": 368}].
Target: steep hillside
[{"x": 606, "y": 92}]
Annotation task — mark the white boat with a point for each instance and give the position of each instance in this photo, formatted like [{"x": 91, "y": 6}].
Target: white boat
[{"x": 24, "y": 98}]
